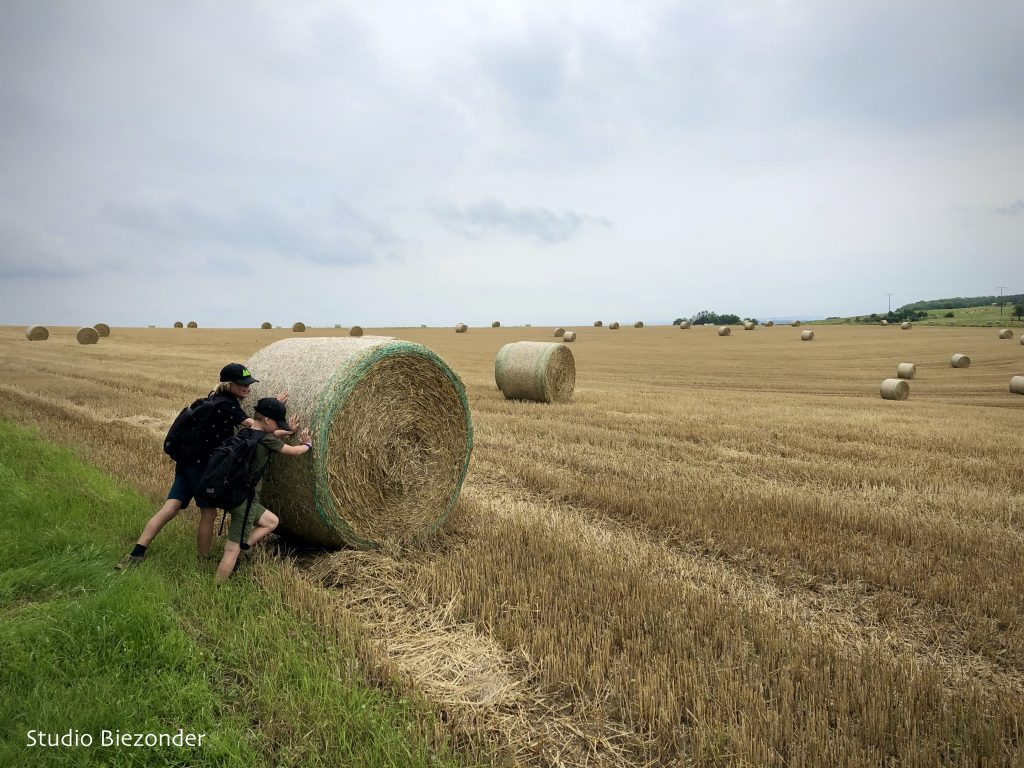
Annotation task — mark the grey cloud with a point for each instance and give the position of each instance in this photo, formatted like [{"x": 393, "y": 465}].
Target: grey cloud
[
  {"x": 28, "y": 249},
  {"x": 489, "y": 215},
  {"x": 1016, "y": 208}
]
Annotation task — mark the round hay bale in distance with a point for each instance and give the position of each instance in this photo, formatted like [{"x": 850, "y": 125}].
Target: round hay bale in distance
[
  {"x": 299, "y": 327},
  {"x": 178, "y": 324},
  {"x": 1022, "y": 338},
  {"x": 355, "y": 331},
  {"x": 769, "y": 323},
  {"x": 724, "y": 330},
  {"x": 884, "y": 322},
  {"x": 685, "y": 325},
  {"x": 392, "y": 437},
  {"x": 1006, "y": 333},
  {"x": 265, "y": 326},
  {"x": 614, "y": 326},
  {"x": 796, "y": 323},
  {"x": 598, "y": 323},
  {"x": 461, "y": 328},
  {"x": 1017, "y": 385},
  {"x": 496, "y": 324},
  {"x": 87, "y": 335},
  {"x": 905, "y": 326},
  {"x": 37, "y": 333},
  {"x": 807, "y": 335},
  {"x": 542, "y": 371},
  {"x": 906, "y": 371},
  {"x": 960, "y": 361},
  {"x": 748, "y": 326},
  {"x": 193, "y": 324},
  {"x": 569, "y": 336},
  {"x": 102, "y": 329},
  {"x": 895, "y": 389},
  {"x": 559, "y": 332},
  {"x": 638, "y": 324}
]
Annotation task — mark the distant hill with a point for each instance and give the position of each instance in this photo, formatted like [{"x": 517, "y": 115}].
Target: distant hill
[
  {"x": 961, "y": 302},
  {"x": 960, "y": 310}
]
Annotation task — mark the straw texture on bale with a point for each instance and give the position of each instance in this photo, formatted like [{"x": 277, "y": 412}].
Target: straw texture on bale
[
  {"x": 299, "y": 327},
  {"x": 895, "y": 389},
  {"x": 569, "y": 336},
  {"x": 598, "y": 323},
  {"x": 193, "y": 324},
  {"x": 960, "y": 361},
  {"x": 87, "y": 335},
  {"x": 37, "y": 333},
  {"x": 748, "y": 326},
  {"x": 906, "y": 371},
  {"x": 769, "y": 323},
  {"x": 807, "y": 336},
  {"x": 638, "y": 324},
  {"x": 614, "y": 326},
  {"x": 265, "y": 326},
  {"x": 102, "y": 329},
  {"x": 541, "y": 371},
  {"x": 905, "y": 326},
  {"x": 1017, "y": 385},
  {"x": 460, "y": 328},
  {"x": 178, "y": 324},
  {"x": 355, "y": 330},
  {"x": 392, "y": 436},
  {"x": 496, "y": 324},
  {"x": 559, "y": 332},
  {"x": 685, "y": 324},
  {"x": 1006, "y": 333},
  {"x": 797, "y": 323},
  {"x": 724, "y": 330}
]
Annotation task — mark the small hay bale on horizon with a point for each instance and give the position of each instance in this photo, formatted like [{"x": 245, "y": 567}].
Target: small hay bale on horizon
[
  {"x": 1006, "y": 333},
  {"x": 807, "y": 335},
  {"x": 87, "y": 335},
  {"x": 598, "y": 323},
  {"x": 796, "y": 323},
  {"x": 569, "y": 336},
  {"x": 299, "y": 327},
  {"x": 496, "y": 324},
  {"x": 613, "y": 326},
  {"x": 355, "y": 331},
  {"x": 960, "y": 361},
  {"x": 193, "y": 324},
  {"x": 559, "y": 332},
  {"x": 1017, "y": 385},
  {"x": 37, "y": 333},
  {"x": 685, "y": 325},
  {"x": 905, "y": 326},
  {"x": 769, "y": 323},
  {"x": 541, "y": 371},
  {"x": 724, "y": 330},
  {"x": 461, "y": 328},
  {"x": 748, "y": 325},
  {"x": 102, "y": 329},
  {"x": 906, "y": 371},
  {"x": 178, "y": 324},
  {"x": 895, "y": 389},
  {"x": 884, "y": 322},
  {"x": 265, "y": 326},
  {"x": 638, "y": 324}
]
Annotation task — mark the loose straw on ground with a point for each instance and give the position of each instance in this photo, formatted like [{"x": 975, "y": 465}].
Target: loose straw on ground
[
  {"x": 960, "y": 361},
  {"x": 102, "y": 329},
  {"x": 535, "y": 370},
  {"x": 569, "y": 336},
  {"x": 1017, "y": 385},
  {"x": 895, "y": 389},
  {"x": 87, "y": 335},
  {"x": 724, "y": 330},
  {"x": 37, "y": 333},
  {"x": 392, "y": 437},
  {"x": 906, "y": 371}
]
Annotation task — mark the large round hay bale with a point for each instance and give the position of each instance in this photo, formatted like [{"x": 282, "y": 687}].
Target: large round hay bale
[
  {"x": 392, "y": 436},
  {"x": 569, "y": 336},
  {"x": 796, "y": 323},
  {"x": 299, "y": 327},
  {"x": 265, "y": 326},
  {"x": 960, "y": 361},
  {"x": 102, "y": 329},
  {"x": 905, "y": 326},
  {"x": 37, "y": 333},
  {"x": 724, "y": 330},
  {"x": 356, "y": 331},
  {"x": 1006, "y": 333},
  {"x": 748, "y": 325},
  {"x": 461, "y": 328},
  {"x": 807, "y": 336},
  {"x": 895, "y": 389},
  {"x": 685, "y": 325},
  {"x": 638, "y": 324},
  {"x": 614, "y": 326},
  {"x": 559, "y": 332},
  {"x": 193, "y": 324},
  {"x": 1017, "y": 385},
  {"x": 598, "y": 323},
  {"x": 87, "y": 335},
  {"x": 541, "y": 371},
  {"x": 178, "y": 324},
  {"x": 906, "y": 371},
  {"x": 769, "y": 323},
  {"x": 496, "y": 324}
]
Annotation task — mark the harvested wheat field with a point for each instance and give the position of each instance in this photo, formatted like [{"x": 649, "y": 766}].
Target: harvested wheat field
[{"x": 714, "y": 554}]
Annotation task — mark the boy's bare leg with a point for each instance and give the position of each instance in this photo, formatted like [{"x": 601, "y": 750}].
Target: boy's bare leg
[
  {"x": 227, "y": 562},
  {"x": 267, "y": 522},
  {"x": 204, "y": 534},
  {"x": 165, "y": 514}
]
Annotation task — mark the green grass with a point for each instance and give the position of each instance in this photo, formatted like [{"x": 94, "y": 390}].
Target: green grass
[
  {"x": 160, "y": 647},
  {"x": 964, "y": 316}
]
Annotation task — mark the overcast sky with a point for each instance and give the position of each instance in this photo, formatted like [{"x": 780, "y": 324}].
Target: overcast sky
[{"x": 398, "y": 163}]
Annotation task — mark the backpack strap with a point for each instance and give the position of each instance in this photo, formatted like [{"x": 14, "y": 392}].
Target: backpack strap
[{"x": 252, "y": 483}]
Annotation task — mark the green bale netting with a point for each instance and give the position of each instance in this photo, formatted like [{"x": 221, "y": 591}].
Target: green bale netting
[{"x": 392, "y": 437}]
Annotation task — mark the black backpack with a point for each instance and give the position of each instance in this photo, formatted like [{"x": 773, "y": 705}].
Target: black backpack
[
  {"x": 227, "y": 481},
  {"x": 184, "y": 440}
]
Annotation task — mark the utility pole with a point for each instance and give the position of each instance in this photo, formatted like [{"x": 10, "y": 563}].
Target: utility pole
[
  {"x": 890, "y": 302},
  {"x": 1001, "y": 289}
]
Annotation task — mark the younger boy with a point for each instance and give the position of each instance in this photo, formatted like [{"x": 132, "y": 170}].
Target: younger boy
[{"x": 270, "y": 417}]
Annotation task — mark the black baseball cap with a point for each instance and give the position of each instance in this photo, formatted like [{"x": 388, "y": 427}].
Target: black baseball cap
[
  {"x": 237, "y": 373},
  {"x": 274, "y": 409}
]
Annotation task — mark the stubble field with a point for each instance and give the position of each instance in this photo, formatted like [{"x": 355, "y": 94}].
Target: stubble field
[{"x": 721, "y": 551}]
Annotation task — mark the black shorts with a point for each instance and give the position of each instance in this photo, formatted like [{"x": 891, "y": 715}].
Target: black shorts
[{"x": 185, "y": 485}]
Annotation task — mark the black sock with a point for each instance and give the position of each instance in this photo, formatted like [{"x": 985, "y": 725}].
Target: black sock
[
  {"x": 243, "y": 546},
  {"x": 139, "y": 551}
]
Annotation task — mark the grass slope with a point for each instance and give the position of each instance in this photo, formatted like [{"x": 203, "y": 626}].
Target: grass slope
[
  {"x": 986, "y": 316},
  {"x": 159, "y": 647}
]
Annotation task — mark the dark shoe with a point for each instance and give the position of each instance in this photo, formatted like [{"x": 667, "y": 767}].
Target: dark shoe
[{"x": 128, "y": 561}]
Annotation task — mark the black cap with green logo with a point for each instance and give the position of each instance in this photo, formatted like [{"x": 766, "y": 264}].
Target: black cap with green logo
[{"x": 237, "y": 373}]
